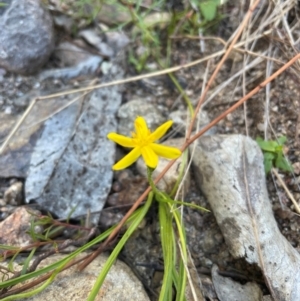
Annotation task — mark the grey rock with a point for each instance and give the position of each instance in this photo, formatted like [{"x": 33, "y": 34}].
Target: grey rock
[
  {"x": 130, "y": 110},
  {"x": 75, "y": 60},
  {"x": 97, "y": 40},
  {"x": 87, "y": 67},
  {"x": 71, "y": 163},
  {"x": 116, "y": 40},
  {"x": 229, "y": 290},
  {"x": 26, "y": 36},
  {"x": 13, "y": 195},
  {"x": 65, "y": 22},
  {"x": 108, "y": 43},
  {"x": 70, "y": 54}
]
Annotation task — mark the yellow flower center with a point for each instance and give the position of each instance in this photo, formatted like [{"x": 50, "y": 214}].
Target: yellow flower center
[{"x": 141, "y": 140}]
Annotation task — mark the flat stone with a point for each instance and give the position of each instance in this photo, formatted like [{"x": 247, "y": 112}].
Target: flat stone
[{"x": 70, "y": 167}]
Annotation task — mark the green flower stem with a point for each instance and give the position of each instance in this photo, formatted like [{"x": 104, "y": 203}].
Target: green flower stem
[
  {"x": 150, "y": 180},
  {"x": 167, "y": 213}
]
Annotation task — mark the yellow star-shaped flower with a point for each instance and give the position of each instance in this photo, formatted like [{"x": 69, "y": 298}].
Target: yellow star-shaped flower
[{"x": 142, "y": 142}]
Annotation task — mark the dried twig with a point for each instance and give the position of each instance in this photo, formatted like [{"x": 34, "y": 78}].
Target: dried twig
[{"x": 297, "y": 207}]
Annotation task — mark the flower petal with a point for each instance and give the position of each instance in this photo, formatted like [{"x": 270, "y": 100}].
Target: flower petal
[
  {"x": 128, "y": 159},
  {"x": 165, "y": 151},
  {"x": 120, "y": 139},
  {"x": 160, "y": 131},
  {"x": 141, "y": 127},
  {"x": 150, "y": 157}
]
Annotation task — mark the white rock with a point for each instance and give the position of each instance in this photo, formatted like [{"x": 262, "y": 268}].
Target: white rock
[{"x": 230, "y": 172}]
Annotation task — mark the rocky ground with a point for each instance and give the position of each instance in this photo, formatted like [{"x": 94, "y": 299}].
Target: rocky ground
[{"x": 93, "y": 56}]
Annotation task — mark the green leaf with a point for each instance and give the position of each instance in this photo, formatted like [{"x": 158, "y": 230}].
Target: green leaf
[
  {"x": 282, "y": 140},
  {"x": 268, "y": 161},
  {"x": 269, "y": 146},
  {"x": 27, "y": 262},
  {"x": 279, "y": 149},
  {"x": 282, "y": 163},
  {"x": 209, "y": 9},
  {"x": 269, "y": 156},
  {"x": 273, "y": 154}
]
